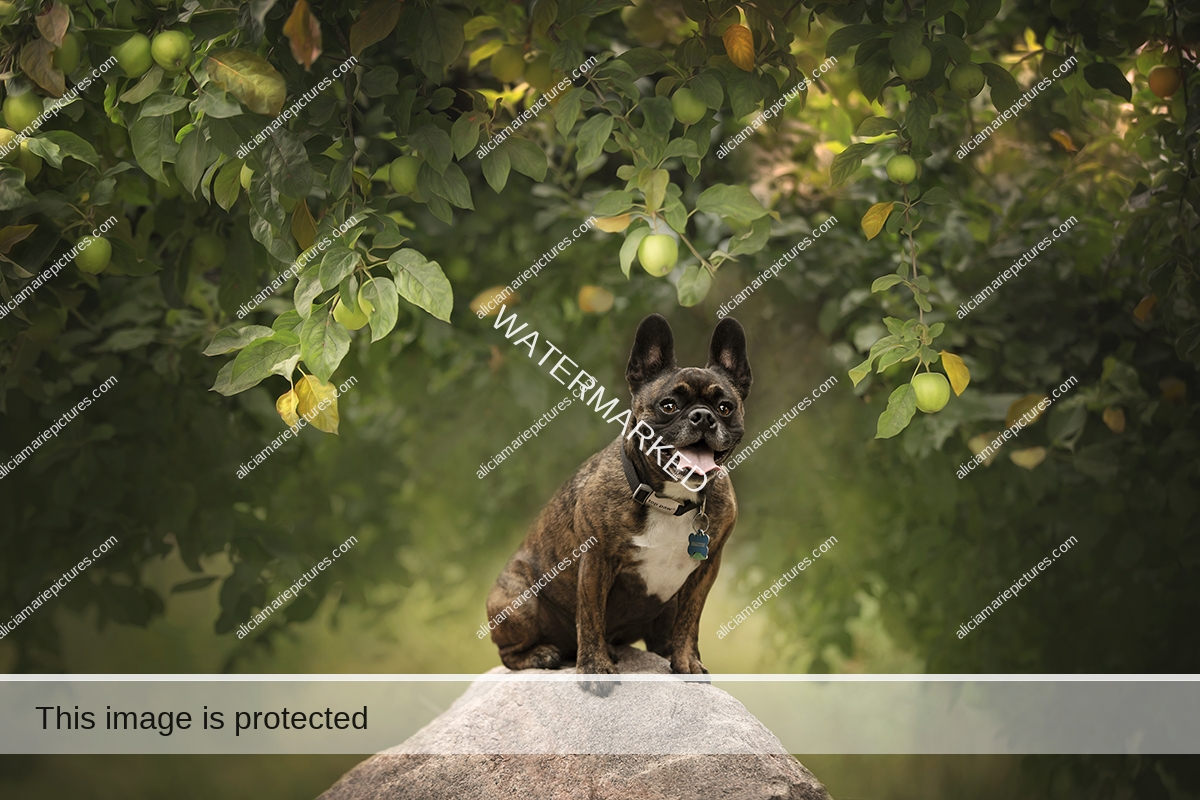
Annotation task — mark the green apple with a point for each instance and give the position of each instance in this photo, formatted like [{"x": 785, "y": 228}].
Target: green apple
[
  {"x": 209, "y": 249},
  {"x": 171, "y": 50},
  {"x": 28, "y": 161},
  {"x": 403, "y": 174},
  {"x": 66, "y": 57},
  {"x": 689, "y": 109},
  {"x": 539, "y": 74},
  {"x": 917, "y": 68},
  {"x": 20, "y": 110},
  {"x": 6, "y": 137},
  {"x": 901, "y": 169},
  {"x": 94, "y": 255},
  {"x": 133, "y": 55},
  {"x": 508, "y": 65},
  {"x": 245, "y": 176},
  {"x": 352, "y": 320},
  {"x": 966, "y": 80},
  {"x": 933, "y": 391},
  {"x": 658, "y": 253}
]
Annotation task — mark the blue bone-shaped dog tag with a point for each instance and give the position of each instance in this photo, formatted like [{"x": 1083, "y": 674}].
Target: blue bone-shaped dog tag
[{"x": 698, "y": 546}]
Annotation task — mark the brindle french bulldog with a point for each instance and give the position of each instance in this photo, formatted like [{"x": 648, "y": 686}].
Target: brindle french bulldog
[{"x": 639, "y": 579}]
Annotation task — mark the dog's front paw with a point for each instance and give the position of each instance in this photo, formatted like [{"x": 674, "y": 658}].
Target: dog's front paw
[
  {"x": 597, "y": 666},
  {"x": 687, "y": 664}
]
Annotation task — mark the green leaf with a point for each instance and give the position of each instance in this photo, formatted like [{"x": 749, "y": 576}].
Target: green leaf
[
  {"x": 144, "y": 87},
  {"x": 613, "y": 203},
  {"x": 464, "y": 134},
  {"x": 916, "y": 119},
  {"x": 192, "y": 160},
  {"x": 258, "y": 360},
  {"x": 215, "y": 104},
  {"x": 249, "y": 78},
  {"x": 873, "y": 73},
  {"x": 374, "y": 24},
  {"x": 229, "y": 339},
  {"x": 381, "y": 294},
  {"x": 451, "y": 185},
  {"x": 433, "y": 143},
  {"x": 337, "y": 265},
  {"x": 841, "y": 40},
  {"x": 1005, "y": 91},
  {"x": 153, "y": 141},
  {"x": 653, "y": 185},
  {"x": 936, "y": 196},
  {"x": 681, "y": 147},
  {"x": 1103, "y": 75},
  {"x": 660, "y": 118},
  {"x": 566, "y": 112},
  {"x": 439, "y": 40},
  {"x": 861, "y": 371},
  {"x": 496, "y": 166},
  {"x": 195, "y": 585},
  {"x": 591, "y": 139},
  {"x": 902, "y": 404},
  {"x": 908, "y": 39},
  {"x": 693, "y": 285},
  {"x": 936, "y": 9},
  {"x": 886, "y": 282},
  {"x": 422, "y": 282},
  {"x": 74, "y": 146},
  {"x": 707, "y": 87},
  {"x": 644, "y": 60},
  {"x": 162, "y": 104},
  {"x": 527, "y": 158},
  {"x": 876, "y": 126},
  {"x": 228, "y": 184},
  {"x": 956, "y": 47},
  {"x": 633, "y": 238},
  {"x": 308, "y": 287},
  {"x": 324, "y": 342},
  {"x": 752, "y": 240},
  {"x": 980, "y": 13},
  {"x": 381, "y": 81},
  {"x": 847, "y": 162},
  {"x": 733, "y": 202},
  {"x": 286, "y": 164}
]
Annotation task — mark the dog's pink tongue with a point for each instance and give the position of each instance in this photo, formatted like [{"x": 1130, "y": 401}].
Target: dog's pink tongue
[{"x": 700, "y": 456}]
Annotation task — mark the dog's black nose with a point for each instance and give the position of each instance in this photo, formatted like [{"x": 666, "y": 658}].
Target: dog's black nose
[{"x": 702, "y": 418}]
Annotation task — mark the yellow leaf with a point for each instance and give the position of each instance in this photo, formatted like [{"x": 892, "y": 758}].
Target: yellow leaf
[
  {"x": 53, "y": 23},
  {"x": 304, "y": 34},
  {"x": 37, "y": 62},
  {"x": 1025, "y": 405},
  {"x": 286, "y": 406},
  {"x": 1028, "y": 458},
  {"x": 1114, "y": 418},
  {"x": 613, "y": 224},
  {"x": 1064, "y": 138},
  {"x": 978, "y": 443},
  {"x": 304, "y": 227},
  {"x": 248, "y": 77},
  {"x": 317, "y": 403},
  {"x": 956, "y": 371},
  {"x": 1142, "y": 312},
  {"x": 374, "y": 24},
  {"x": 739, "y": 46},
  {"x": 876, "y": 216}
]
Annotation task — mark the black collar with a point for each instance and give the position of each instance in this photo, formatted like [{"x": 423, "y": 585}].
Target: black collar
[{"x": 644, "y": 494}]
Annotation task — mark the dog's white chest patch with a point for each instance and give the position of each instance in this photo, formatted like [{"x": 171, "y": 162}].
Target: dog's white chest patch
[{"x": 664, "y": 563}]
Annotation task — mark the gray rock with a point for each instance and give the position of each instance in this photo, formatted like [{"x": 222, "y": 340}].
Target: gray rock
[{"x": 655, "y": 739}]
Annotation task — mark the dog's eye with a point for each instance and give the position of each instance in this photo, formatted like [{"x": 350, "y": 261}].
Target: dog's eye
[
  {"x": 668, "y": 406},
  {"x": 725, "y": 408}
]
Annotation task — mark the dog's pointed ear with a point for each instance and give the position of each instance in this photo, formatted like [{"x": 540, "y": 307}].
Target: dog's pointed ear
[
  {"x": 727, "y": 353},
  {"x": 653, "y": 351}
]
